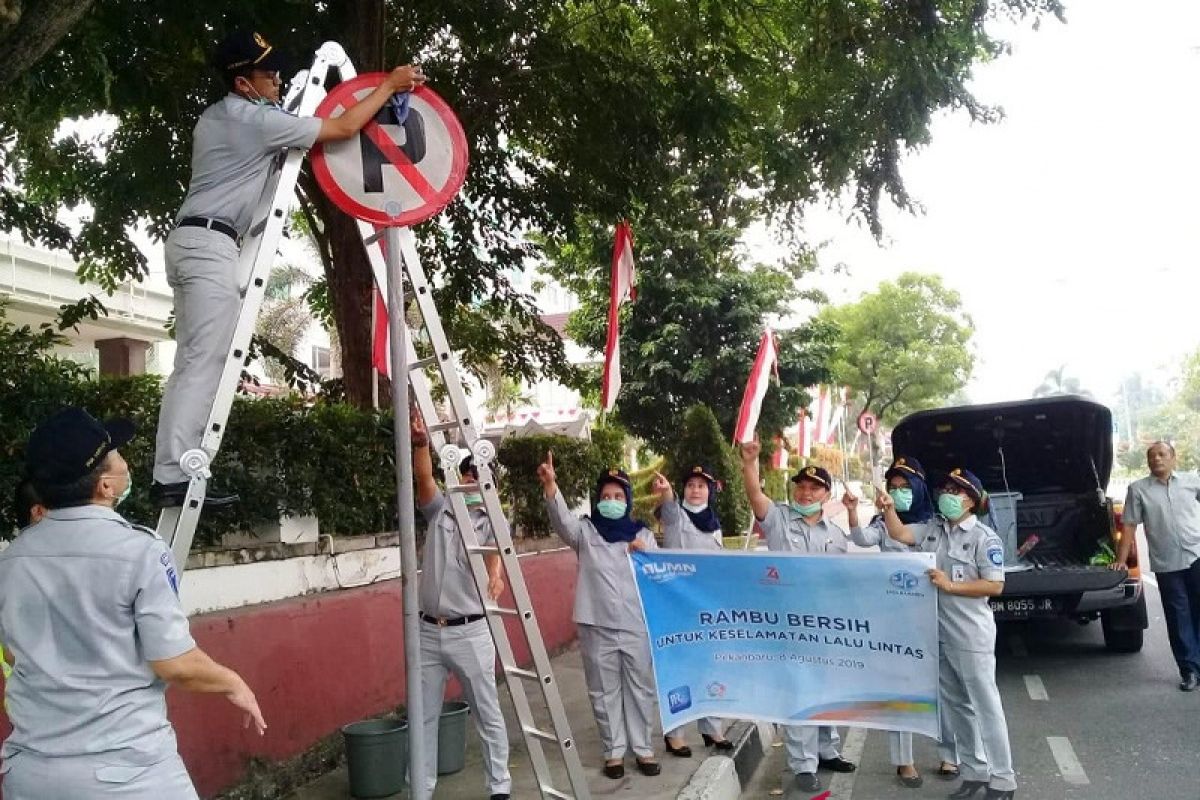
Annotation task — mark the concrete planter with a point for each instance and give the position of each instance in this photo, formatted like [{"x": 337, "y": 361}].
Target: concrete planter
[{"x": 289, "y": 530}]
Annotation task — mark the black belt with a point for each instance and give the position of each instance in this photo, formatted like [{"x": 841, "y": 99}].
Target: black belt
[
  {"x": 451, "y": 622},
  {"x": 212, "y": 225}
]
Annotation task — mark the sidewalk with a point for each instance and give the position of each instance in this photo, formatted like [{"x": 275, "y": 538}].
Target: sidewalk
[{"x": 568, "y": 670}]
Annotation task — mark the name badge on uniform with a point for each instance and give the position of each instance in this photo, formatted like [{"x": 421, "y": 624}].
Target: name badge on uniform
[{"x": 958, "y": 573}]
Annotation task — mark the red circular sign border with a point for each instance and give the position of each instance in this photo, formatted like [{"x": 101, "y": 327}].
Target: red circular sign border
[{"x": 458, "y": 170}]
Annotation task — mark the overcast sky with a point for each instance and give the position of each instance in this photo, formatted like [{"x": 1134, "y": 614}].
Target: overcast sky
[{"x": 1071, "y": 227}]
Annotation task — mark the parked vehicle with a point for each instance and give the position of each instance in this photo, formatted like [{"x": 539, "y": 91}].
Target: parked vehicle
[{"x": 1048, "y": 460}]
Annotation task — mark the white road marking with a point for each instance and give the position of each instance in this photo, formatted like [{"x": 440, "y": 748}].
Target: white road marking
[
  {"x": 1035, "y": 687},
  {"x": 1017, "y": 645},
  {"x": 1068, "y": 763},
  {"x": 841, "y": 785}
]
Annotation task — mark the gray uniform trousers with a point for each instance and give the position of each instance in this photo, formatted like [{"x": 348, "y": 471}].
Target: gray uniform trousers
[
  {"x": 713, "y": 726},
  {"x": 31, "y": 777},
  {"x": 469, "y": 652},
  {"x": 620, "y": 681},
  {"x": 806, "y": 744},
  {"x": 202, "y": 268},
  {"x": 968, "y": 680}
]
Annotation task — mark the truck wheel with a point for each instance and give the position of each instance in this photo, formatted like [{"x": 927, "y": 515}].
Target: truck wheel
[{"x": 1123, "y": 627}]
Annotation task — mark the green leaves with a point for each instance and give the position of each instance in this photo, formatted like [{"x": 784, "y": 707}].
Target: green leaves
[{"x": 904, "y": 346}]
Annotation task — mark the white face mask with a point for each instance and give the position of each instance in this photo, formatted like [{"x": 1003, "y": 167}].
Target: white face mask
[{"x": 694, "y": 507}]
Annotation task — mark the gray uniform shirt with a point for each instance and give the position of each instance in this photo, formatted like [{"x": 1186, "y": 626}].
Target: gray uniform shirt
[
  {"x": 447, "y": 588},
  {"x": 233, "y": 146},
  {"x": 86, "y": 600},
  {"x": 605, "y": 594},
  {"x": 876, "y": 535},
  {"x": 680, "y": 533},
  {"x": 787, "y": 531},
  {"x": 1170, "y": 514},
  {"x": 967, "y": 551}
]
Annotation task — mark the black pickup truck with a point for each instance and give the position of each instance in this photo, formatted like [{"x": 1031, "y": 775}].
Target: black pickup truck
[{"x": 1056, "y": 453}]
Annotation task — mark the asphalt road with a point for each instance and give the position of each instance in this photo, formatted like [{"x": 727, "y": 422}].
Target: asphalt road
[{"x": 1083, "y": 724}]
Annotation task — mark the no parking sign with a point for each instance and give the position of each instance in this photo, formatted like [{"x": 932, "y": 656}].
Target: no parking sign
[{"x": 396, "y": 171}]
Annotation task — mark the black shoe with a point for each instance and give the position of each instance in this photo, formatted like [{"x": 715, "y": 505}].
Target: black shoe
[
  {"x": 909, "y": 781},
  {"x": 838, "y": 764},
  {"x": 500, "y": 796},
  {"x": 650, "y": 768},
  {"x": 1000, "y": 794},
  {"x": 682, "y": 752},
  {"x": 808, "y": 782},
  {"x": 709, "y": 741},
  {"x": 614, "y": 771},
  {"x": 169, "y": 495},
  {"x": 1190, "y": 682},
  {"x": 946, "y": 773},
  {"x": 968, "y": 790}
]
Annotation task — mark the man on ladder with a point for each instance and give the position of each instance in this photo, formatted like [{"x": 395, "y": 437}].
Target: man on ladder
[
  {"x": 454, "y": 631},
  {"x": 235, "y": 144}
]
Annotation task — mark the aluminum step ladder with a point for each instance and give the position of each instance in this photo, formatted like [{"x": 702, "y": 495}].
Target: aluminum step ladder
[
  {"x": 462, "y": 428},
  {"x": 177, "y": 525}
]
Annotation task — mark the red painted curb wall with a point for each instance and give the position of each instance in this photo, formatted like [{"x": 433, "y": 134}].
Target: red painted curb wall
[{"x": 319, "y": 662}]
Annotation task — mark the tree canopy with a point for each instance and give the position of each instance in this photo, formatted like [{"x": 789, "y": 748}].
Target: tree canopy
[
  {"x": 573, "y": 111},
  {"x": 904, "y": 347}
]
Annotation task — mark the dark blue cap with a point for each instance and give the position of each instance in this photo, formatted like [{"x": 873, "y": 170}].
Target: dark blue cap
[{"x": 72, "y": 443}]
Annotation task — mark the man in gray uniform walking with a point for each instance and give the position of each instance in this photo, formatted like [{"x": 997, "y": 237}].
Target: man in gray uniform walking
[
  {"x": 234, "y": 147},
  {"x": 454, "y": 633},
  {"x": 93, "y": 631}
]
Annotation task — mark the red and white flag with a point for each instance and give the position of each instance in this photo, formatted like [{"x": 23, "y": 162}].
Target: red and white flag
[
  {"x": 623, "y": 287},
  {"x": 780, "y": 459},
  {"x": 765, "y": 363}
]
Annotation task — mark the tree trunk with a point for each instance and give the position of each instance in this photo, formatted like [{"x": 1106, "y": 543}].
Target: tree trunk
[
  {"x": 349, "y": 272},
  {"x": 26, "y": 36}
]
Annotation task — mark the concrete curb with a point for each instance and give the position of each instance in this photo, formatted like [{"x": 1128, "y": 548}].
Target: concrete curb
[{"x": 722, "y": 777}]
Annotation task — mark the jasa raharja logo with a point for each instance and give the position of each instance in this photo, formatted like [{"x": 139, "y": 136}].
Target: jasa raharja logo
[
  {"x": 662, "y": 571},
  {"x": 904, "y": 582}
]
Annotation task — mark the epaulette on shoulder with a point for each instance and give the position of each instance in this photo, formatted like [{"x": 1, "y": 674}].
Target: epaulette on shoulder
[{"x": 144, "y": 529}]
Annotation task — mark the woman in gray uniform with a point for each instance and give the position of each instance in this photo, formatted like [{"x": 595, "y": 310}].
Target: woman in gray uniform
[
  {"x": 910, "y": 495},
  {"x": 691, "y": 524},
  {"x": 612, "y": 630},
  {"x": 970, "y": 569}
]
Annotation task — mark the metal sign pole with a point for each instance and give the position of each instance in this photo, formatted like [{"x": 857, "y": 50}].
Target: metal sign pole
[{"x": 398, "y": 333}]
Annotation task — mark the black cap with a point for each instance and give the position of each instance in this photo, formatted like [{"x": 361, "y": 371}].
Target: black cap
[
  {"x": 815, "y": 474},
  {"x": 967, "y": 480},
  {"x": 242, "y": 50},
  {"x": 904, "y": 466},
  {"x": 700, "y": 471},
  {"x": 72, "y": 443}
]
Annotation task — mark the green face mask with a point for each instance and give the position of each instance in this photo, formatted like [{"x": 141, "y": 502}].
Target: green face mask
[
  {"x": 611, "y": 509},
  {"x": 951, "y": 506},
  {"x": 805, "y": 509},
  {"x": 902, "y": 498},
  {"x": 473, "y": 499}
]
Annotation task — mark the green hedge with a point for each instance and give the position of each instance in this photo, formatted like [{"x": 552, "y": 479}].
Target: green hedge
[
  {"x": 577, "y": 463},
  {"x": 282, "y": 456}
]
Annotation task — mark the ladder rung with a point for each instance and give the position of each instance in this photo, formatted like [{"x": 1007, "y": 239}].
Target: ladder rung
[
  {"x": 482, "y": 548},
  {"x": 511, "y": 612},
  {"x": 538, "y": 733},
  {"x": 550, "y": 791},
  {"x": 442, "y": 427},
  {"x": 527, "y": 674},
  {"x": 422, "y": 363},
  {"x": 375, "y": 237}
]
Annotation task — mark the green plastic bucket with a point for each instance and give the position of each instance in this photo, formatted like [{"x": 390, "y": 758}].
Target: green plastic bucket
[
  {"x": 452, "y": 737},
  {"x": 376, "y": 756}
]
